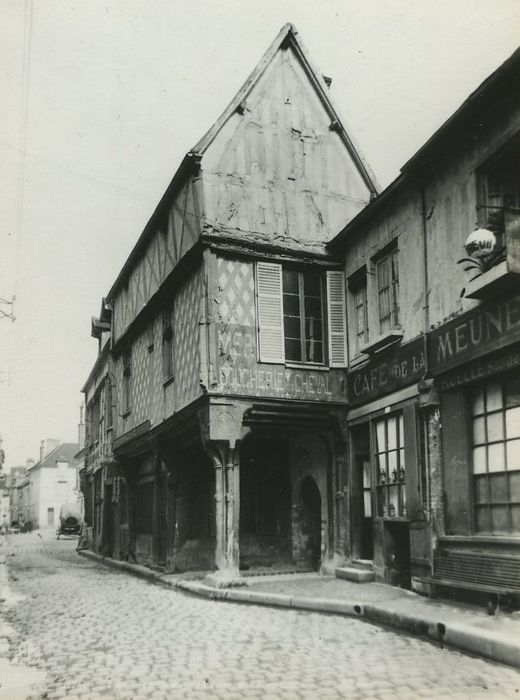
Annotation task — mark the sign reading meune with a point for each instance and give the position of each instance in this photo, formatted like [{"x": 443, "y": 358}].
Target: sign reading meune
[
  {"x": 387, "y": 372},
  {"x": 482, "y": 330}
]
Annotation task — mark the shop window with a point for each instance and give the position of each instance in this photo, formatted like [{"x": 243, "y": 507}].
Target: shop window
[
  {"x": 387, "y": 271},
  {"x": 499, "y": 191},
  {"x": 496, "y": 456},
  {"x": 127, "y": 381},
  {"x": 390, "y": 467},
  {"x": 298, "y": 312},
  {"x": 358, "y": 295},
  {"x": 167, "y": 345}
]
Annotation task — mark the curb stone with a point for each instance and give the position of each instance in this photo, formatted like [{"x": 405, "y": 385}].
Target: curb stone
[{"x": 458, "y": 635}]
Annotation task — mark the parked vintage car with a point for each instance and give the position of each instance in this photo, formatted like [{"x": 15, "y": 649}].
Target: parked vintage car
[{"x": 71, "y": 519}]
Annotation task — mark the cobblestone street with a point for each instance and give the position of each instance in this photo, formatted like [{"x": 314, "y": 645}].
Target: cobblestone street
[{"x": 98, "y": 633}]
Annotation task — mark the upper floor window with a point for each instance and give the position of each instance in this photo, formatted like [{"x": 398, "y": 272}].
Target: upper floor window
[
  {"x": 109, "y": 404},
  {"x": 301, "y": 315},
  {"x": 358, "y": 290},
  {"x": 63, "y": 468},
  {"x": 127, "y": 381},
  {"x": 167, "y": 344},
  {"x": 499, "y": 190},
  {"x": 496, "y": 456},
  {"x": 387, "y": 270}
]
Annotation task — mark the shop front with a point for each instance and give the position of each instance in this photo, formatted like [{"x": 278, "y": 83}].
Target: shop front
[
  {"x": 475, "y": 360},
  {"x": 387, "y": 465}
]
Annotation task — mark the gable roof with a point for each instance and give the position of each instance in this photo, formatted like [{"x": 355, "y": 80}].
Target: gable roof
[
  {"x": 288, "y": 36},
  {"x": 63, "y": 453}
]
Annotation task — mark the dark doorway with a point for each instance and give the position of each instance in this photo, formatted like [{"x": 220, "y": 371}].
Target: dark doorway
[
  {"x": 265, "y": 504},
  {"x": 161, "y": 514},
  {"x": 310, "y": 509},
  {"x": 108, "y": 539},
  {"x": 397, "y": 554},
  {"x": 362, "y": 487}
]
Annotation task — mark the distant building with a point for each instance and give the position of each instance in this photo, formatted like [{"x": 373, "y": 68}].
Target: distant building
[
  {"x": 14, "y": 478},
  {"x": 50, "y": 483}
]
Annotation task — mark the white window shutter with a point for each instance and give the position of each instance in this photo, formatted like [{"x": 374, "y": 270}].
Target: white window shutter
[
  {"x": 337, "y": 319},
  {"x": 270, "y": 312}
]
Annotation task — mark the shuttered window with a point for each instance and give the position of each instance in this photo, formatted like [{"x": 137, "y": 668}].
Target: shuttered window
[
  {"x": 291, "y": 315},
  {"x": 337, "y": 319},
  {"x": 270, "y": 312}
]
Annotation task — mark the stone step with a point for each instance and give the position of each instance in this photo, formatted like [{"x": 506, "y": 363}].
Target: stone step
[
  {"x": 367, "y": 564},
  {"x": 355, "y": 574}
]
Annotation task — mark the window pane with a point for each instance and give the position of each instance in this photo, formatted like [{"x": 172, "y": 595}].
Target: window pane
[
  {"x": 494, "y": 396},
  {"x": 498, "y": 488},
  {"x": 380, "y": 434},
  {"x": 392, "y": 433},
  {"x": 367, "y": 502},
  {"x": 479, "y": 460},
  {"x": 313, "y": 328},
  {"x": 500, "y": 518},
  {"x": 392, "y": 467},
  {"x": 313, "y": 308},
  {"x": 313, "y": 351},
  {"x": 291, "y": 327},
  {"x": 513, "y": 455},
  {"x": 383, "y": 279},
  {"x": 291, "y": 305},
  {"x": 293, "y": 350},
  {"x": 290, "y": 281},
  {"x": 479, "y": 432},
  {"x": 401, "y": 432},
  {"x": 403, "y": 501},
  {"x": 366, "y": 474},
  {"x": 483, "y": 521},
  {"x": 312, "y": 284},
  {"x": 481, "y": 489},
  {"x": 401, "y": 459},
  {"x": 513, "y": 422},
  {"x": 512, "y": 391},
  {"x": 478, "y": 402},
  {"x": 514, "y": 487},
  {"x": 382, "y": 476},
  {"x": 495, "y": 427},
  {"x": 496, "y": 458},
  {"x": 393, "y": 504}
]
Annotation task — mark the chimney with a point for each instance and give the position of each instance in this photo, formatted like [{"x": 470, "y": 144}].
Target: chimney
[
  {"x": 42, "y": 450},
  {"x": 328, "y": 80}
]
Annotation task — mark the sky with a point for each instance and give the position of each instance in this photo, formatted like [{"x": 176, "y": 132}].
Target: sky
[{"x": 100, "y": 100}]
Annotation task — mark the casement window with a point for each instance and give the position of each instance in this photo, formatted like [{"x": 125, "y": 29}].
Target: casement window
[
  {"x": 499, "y": 190},
  {"x": 301, "y": 315},
  {"x": 390, "y": 467},
  {"x": 109, "y": 410},
  {"x": 387, "y": 271},
  {"x": 357, "y": 285},
  {"x": 127, "y": 381},
  {"x": 167, "y": 344},
  {"x": 496, "y": 456}
]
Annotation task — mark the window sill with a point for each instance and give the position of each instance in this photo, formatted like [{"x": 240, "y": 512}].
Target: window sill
[
  {"x": 306, "y": 365},
  {"x": 168, "y": 381},
  {"x": 395, "y": 335}
]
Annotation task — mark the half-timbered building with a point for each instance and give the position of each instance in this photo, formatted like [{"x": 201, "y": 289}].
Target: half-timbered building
[{"x": 224, "y": 375}]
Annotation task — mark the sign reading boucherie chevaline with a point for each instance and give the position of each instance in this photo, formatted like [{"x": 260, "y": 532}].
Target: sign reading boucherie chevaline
[
  {"x": 238, "y": 372},
  {"x": 487, "y": 328},
  {"x": 389, "y": 370}
]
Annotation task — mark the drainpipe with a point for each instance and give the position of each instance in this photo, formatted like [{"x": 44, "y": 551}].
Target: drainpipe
[{"x": 426, "y": 289}]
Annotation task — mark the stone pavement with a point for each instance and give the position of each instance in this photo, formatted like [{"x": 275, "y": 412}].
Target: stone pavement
[{"x": 95, "y": 632}]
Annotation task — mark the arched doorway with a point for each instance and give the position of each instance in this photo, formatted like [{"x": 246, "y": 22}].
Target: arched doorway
[{"x": 310, "y": 522}]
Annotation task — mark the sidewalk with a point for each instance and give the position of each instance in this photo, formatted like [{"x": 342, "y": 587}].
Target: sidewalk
[{"x": 464, "y": 627}]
